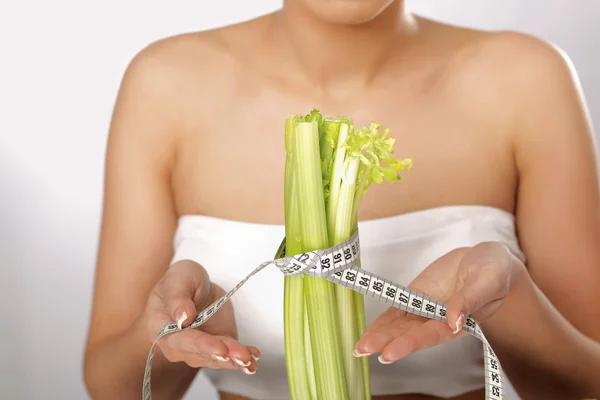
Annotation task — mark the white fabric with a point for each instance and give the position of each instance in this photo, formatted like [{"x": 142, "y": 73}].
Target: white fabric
[{"x": 397, "y": 248}]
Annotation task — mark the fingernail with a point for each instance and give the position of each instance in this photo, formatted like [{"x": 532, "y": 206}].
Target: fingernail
[
  {"x": 383, "y": 361},
  {"x": 222, "y": 359},
  {"x": 241, "y": 363},
  {"x": 459, "y": 323},
  {"x": 248, "y": 372},
  {"x": 356, "y": 353},
  {"x": 256, "y": 358},
  {"x": 181, "y": 317}
]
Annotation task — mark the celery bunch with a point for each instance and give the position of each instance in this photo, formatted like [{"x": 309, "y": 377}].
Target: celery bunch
[{"x": 330, "y": 164}]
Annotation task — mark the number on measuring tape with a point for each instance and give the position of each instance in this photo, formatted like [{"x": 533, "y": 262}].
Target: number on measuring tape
[
  {"x": 303, "y": 258},
  {"x": 343, "y": 259},
  {"x": 376, "y": 287},
  {"x": 470, "y": 323},
  {"x": 326, "y": 262},
  {"x": 494, "y": 377},
  {"x": 441, "y": 313},
  {"x": 348, "y": 254},
  {"x": 210, "y": 311},
  {"x": 338, "y": 259},
  {"x": 428, "y": 308},
  {"x": 294, "y": 267},
  {"x": 363, "y": 281},
  {"x": 415, "y": 302},
  {"x": 389, "y": 291},
  {"x": 402, "y": 297},
  {"x": 168, "y": 329},
  {"x": 349, "y": 277},
  {"x": 495, "y": 391}
]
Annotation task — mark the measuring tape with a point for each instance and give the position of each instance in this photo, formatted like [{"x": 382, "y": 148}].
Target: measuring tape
[{"x": 338, "y": 265}]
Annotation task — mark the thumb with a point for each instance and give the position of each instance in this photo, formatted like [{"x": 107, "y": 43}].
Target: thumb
[
  {"x": 475, "y": 294},
  {"x": 186, "y": 282},
  {"x": 181, "y": 309}
]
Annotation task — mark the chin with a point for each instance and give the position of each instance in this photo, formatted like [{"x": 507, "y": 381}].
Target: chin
[{"x": 348, "y": 12}]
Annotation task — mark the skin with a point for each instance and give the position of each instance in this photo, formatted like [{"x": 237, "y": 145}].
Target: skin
[{"x": 511, "y": 131}]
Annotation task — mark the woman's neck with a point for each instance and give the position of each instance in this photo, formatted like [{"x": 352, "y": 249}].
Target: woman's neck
[{"x": 328, "y": 54}]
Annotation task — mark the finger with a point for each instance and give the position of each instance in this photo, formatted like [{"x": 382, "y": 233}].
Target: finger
[
  {"x": 238, "y": 353},
  {"x": 478, "y": 291},
  {"x": 372, "y": 342},
  {"x": 376, "y": 338},
  {"x": 181, "y": 308},
  {"x": 185, "y": 282},
  {"x": 429, "y": 334},
  {"x": 202, "y": 361},
  {"x": 197, "y": 343},
  {"x": 387, "y": 317},
  {"x": 237, "y": 361},
  {"x": 251, "y": 369},
  {"x": 254, "y": 352}
]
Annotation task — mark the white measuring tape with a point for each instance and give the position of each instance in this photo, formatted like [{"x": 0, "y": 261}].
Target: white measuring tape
[{"x": 338, "y": 265}]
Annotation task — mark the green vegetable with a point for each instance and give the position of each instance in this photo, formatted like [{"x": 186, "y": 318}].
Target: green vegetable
[{"x": 329, "y": 167}]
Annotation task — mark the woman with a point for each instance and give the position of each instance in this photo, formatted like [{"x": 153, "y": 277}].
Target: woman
[{"x": 502, "y": 145}]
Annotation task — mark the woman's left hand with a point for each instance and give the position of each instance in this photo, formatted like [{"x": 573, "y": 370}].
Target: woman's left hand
[{"x": 472, "y": 281}]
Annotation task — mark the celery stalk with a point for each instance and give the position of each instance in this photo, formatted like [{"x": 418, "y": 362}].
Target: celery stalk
[
  {"x": 336, "y": 179},
  {"x": 361, "y": 324},
  {"x": 319, "y": 293},
  {"x": 304, "y": 195},
  {"x": 294, "y": 308},
  {"x": 347, "y": 312},
  {"x": 329, "y": 167},
  {"x": 339, "y": 186}
]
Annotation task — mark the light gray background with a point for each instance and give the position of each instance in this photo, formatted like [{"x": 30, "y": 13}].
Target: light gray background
[{"x": 61, "y": 65}]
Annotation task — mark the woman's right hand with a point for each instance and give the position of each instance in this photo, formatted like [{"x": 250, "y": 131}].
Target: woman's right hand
[{"x": 183, "y": 291}]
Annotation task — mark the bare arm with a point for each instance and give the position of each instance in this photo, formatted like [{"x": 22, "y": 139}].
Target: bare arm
[
  {"x": 543, "y": 322},
  {"x": 137, "y": 229},
  {"x": 543, "y": 354},
  {"x": 558, "y": 220}
]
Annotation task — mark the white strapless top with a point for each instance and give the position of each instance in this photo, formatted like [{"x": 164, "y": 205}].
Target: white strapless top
[{"x": 397, "y": 248}]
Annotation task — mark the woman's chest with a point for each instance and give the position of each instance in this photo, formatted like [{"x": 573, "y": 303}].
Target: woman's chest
[{"x": 232, "y": 164}]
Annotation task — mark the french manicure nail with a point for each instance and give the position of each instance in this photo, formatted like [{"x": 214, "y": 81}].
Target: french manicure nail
[
  {"x": 459, "y": 323},
  {"x": 222, "y": 359},
  {"x": 182, "y": 316},
  {"x": 248, "y": 372},
  {"x": 356, "y": 353},
  {"x": 241, "y": 363},
  {"x": 382, "y": 360},
  {"x": 256, "y": 358}
]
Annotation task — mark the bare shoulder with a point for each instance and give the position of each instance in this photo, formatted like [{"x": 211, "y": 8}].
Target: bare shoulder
[
  {"x": 512, "y": 77},
  {"x": 530, "y": 88},
  {"x": 170, "y": 65},
  {"x": 180, "y": 68},
  {"x": 536, "y": 83},
  {"x": 505, "y": 61},
  {"x": 523, "y": 59}
]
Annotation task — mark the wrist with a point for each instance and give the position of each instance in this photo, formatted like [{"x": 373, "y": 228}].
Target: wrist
[
  {"x": 519, "y": 276},
  {"x": 518, "y": 281},
  {"x": 139, "y": 329}
]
